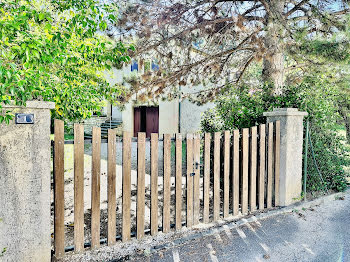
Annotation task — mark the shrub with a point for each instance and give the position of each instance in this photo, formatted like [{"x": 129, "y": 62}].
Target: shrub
[{"x": 243, "y": 107}]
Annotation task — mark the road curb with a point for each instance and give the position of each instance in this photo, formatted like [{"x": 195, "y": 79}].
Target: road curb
[
  {"x": 237, "y": 221},
  {"x": 203, "y": 230}
]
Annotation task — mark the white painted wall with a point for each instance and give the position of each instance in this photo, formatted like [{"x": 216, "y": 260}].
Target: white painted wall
[
  {"x": 169, "y": 117},
  {"x": 168, "y": 110},
  {"x": 190, "y": 114},
  {"x": 128, "y": 118}
]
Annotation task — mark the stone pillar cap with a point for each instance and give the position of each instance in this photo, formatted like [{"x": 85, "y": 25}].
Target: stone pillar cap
[
  {"x": 285, "y": 112},
  {"x": 33, "y": 104}
]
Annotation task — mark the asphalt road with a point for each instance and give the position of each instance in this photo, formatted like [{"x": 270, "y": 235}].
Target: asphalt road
[{"x": 321, "y": 233}]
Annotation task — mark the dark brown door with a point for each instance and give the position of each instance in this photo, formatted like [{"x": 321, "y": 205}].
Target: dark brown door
[
  {"x": 152, "y": 120},
  {"x": 137, "y": 120},
  {"x": 146, "y": 119}
]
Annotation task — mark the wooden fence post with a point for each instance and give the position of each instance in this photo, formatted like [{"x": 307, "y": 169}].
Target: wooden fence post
[
  {"x": 226, "y": 172},
  {"x": 216, "y": 214},
  {"x": 111, "y": 188},
  {"x": 245, "y": 152},
  {"x": 206, "y": 182},
  {"x": 269, "y": 165},
  {"x": 196, "y": 178},
  {"x": 178, "y": 182},
  {"x": 277, "y": 161},
  {"x": 78, "y": 187},
  {"x": 189, "y": 183},
  {"x": 126, "y": 229},
  {"x": 253, "y": 162},
  {"x": 166, "y": 182},
  {"x": 154, "y": 184},
  {"x": 59, "y": 188},
  {"x": 250, "y": 166},
  {"x": 95, "y": 187},
  {"x": 262, "y": 148},
  {"x": 140, "y": 216},
  {"x": 235, "y": 180}
]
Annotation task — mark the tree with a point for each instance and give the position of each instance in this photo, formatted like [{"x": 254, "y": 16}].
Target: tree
[
  {"x": 213, "y": 42},
  {"x": 57, "y": 50},
  {"x": 318, "y": 95},
  {"x": 331, "y": 59}
]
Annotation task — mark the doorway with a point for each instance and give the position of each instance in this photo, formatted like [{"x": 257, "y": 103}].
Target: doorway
[{"x": 146, "y": 119}]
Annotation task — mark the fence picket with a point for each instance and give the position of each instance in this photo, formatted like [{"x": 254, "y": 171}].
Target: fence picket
[
  {"x": 154, "y": 184},
  {"x": 189, "y": 180},
  {"x": 59, "y": 188},
  {"x": 78, "y": 187},
  {"x": 269, "y": 165},
  {"x": 235, "y": 175},
  {"x": 178, "y": 181},
  {"x": 277, "y": 161},
  {"x": 262, "y": 148},
  {"x": 226, "y": 173},
  {"x": 95, "y": 187},
  {"x": 245, "y": 152},
  {"x": 140, "y": 216},
  {"x": 196, "y": 178},
  {"x": 253, "y": 162},
  {"x": 255, "y": 173},
  {"x": 216, "y": 212},
  {"x": 206, "y": 182},
  {"x": 111, "y": 188},
  {"x": 126, "y": 229},
  {"x": 166, "y": 182}
]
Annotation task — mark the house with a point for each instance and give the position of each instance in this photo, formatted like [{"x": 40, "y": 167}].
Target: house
[{"x": 163, "y": 117}]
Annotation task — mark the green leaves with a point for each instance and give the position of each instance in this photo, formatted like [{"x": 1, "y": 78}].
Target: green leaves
[
  {"x": 41, "y": 16},
  {"x": 103, "y": 25},
  {"x": 318, "y": 95},
  {"x": 328, "y": 50},
  {"x": 52, "y": 50},
  {"x": 6, "y": 118}
]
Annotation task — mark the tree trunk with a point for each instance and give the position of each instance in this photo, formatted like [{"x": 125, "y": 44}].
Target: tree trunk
[
  {"x": 345, "y": 114},
  {"x": 273, "y": 64},
  {"x": 347, "y": 128}
]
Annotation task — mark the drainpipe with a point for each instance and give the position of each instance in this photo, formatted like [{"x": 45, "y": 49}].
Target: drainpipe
[{"x": 179, "y": 120}]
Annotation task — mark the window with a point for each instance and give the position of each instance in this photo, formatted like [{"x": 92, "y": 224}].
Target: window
[{"x": 134, "y": 66}]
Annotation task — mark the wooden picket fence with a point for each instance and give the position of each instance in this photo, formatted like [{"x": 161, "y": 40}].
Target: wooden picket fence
[{"x": 241, "y": 168}]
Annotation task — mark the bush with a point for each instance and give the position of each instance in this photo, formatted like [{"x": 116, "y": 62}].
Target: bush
[
  {"x": 243, "y": 107},
  {"x": 59, "y": 51}
]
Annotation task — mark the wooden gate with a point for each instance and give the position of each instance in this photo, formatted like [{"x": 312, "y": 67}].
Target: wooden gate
[{"x": 215, "y": 176}]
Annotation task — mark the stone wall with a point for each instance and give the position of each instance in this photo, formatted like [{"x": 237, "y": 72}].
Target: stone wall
[
  {"x": 89, "y": 123},
  {"x": 93, "y": 121},
  {"x": 25, "y": 185}
]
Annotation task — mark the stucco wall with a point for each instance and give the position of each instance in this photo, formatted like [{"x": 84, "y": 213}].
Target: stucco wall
[
  {"x": 128, "y": 118},
  {"x": 291, "y": 152},
  {"x": 25, "y": 186},
  {"x": 168, "y": 110},
  {"x": 191, "y": 114},
  {"x": 169, "y": 117}
]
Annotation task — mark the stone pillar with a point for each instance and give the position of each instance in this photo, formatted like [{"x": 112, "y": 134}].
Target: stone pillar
[
  {"x": 291, "y": 152},
  {"x": 25, "y": 175}
]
